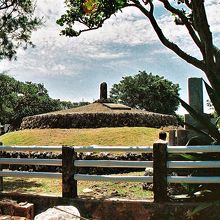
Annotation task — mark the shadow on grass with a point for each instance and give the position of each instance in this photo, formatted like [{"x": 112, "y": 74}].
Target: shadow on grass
[{"x": 19, "y": 185}]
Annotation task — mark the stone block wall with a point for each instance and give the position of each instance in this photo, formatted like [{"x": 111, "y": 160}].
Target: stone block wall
[{"x": 98, "y": 120}]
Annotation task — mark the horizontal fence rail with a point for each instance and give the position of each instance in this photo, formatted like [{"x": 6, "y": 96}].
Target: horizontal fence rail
[
  {"x": 146, "y": 179},
  {"x": 145, "y": 164},
  {"x": 31, "y": 148},
  {"x": 193, "y": 164},
  {"x": 113, "y": 163},
  {"x": 193, "y": 179},
  {"x": 85, "y": 177},
  {"x": 28, "y": 161},
  {"x": 194, "y": 149},
  {"x": 31, "y": 174}
]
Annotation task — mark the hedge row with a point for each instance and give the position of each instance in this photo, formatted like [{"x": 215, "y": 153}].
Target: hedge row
[{"x": 97, "y": 120}]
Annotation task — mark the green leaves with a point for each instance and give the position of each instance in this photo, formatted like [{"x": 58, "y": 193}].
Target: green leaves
[
  {"x": 211, "y": 128},
  {"x": 90, "y": 13},
  {"x": 214, "y": 97},
  {"x": 20, "y": 99},
  {"x": 17, "y": 22},
  {"x": 204, "y": 121},
  {"x": 200, "y": 208},
  {"x": 147, "y": 91}
]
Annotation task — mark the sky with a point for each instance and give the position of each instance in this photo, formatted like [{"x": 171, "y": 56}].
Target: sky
[{"x": 72, "y": 69}]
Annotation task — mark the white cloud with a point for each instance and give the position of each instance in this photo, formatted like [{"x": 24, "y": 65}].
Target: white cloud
[
  {"x": 106, "y": 55},
  {"x": 124, "y": 44},
  {"x": 58, "y": 67},
  {"x": 129, "y": 28},
  {"x": 50, "y": 9}
]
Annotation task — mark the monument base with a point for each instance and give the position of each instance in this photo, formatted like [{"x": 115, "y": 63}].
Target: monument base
[{"x": 194, "y": 137}]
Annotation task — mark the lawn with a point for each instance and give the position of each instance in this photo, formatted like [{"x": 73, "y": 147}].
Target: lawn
[
  {"x": 90, "y": 189},
  {"x": 126, "y": 136},
  {"x": 81, "y": 137}
]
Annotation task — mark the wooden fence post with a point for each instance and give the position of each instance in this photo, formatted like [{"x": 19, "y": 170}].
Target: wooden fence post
[
  {"x": 69, "y": 185},
  {"x": 160, "y": 171},
  {"x": 172, "y": 137},
  {"x": 1, "y": 179}
]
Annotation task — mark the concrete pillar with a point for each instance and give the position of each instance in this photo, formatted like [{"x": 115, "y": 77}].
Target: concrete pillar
[{"x": 195, "y": 94}]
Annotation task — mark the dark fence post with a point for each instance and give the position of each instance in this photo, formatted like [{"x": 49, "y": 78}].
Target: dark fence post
[
  {"x": 1, "y": 179},
  {"x": 160, "y": 171},
  {"x": 69, "y": 185},
  {"x": 172, "y": 137}
]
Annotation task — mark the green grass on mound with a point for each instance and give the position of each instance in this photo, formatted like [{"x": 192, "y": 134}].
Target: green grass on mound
[{"x": 126, "y": 136}]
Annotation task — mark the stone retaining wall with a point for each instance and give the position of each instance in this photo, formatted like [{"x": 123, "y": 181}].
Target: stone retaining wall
[
  {"x": 98, "y": 120},
  {"x": 122, "y": 209}
]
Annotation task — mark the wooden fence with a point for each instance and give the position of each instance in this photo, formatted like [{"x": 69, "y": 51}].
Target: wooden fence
[{"x": 70, "y": 163}]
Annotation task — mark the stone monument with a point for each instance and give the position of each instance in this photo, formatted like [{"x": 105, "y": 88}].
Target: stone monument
[
  {"x": 195, "y": 95},
  {"x": 103, "y": 91},
  {"x": 195, "y": 89}
]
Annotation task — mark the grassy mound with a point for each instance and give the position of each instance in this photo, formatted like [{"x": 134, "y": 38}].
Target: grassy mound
[
  {"x": 98, "y": 115},
  {"x": 126, "y": 136}
]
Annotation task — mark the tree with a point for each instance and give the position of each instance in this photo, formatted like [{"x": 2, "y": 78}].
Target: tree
[
  {"x": 148, "y": 92},
  {"x": 17, "y": 21},
  {"x": 19, "y": 99},
  {"x": 191, "y": 14},
  {"x": 8, "y": 88},
  {"x": 31, "y": 99}
]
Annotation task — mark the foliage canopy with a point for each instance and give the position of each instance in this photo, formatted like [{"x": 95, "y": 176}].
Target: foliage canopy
[
  {"x": 17, "y": 21},
  {"x": 148, "y": 92},
  {"x": 21, "y": 99}
]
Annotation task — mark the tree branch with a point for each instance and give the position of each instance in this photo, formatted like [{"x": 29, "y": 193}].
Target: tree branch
[
  {"x": 192, "y": 60},
  {"x": 202, "y": 27},
  {"x": 100, "y": 24},
  {"x": 186, "y": 22},
  {"x": 188, "y": 4},
  {"x": 5, "y": 4}
]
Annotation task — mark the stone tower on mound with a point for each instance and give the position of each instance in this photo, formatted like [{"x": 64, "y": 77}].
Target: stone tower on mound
[{"x": 102, "y": 113}]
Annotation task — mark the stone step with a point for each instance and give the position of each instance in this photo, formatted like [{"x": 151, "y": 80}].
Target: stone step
[{"x": 10, "y": 209}]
